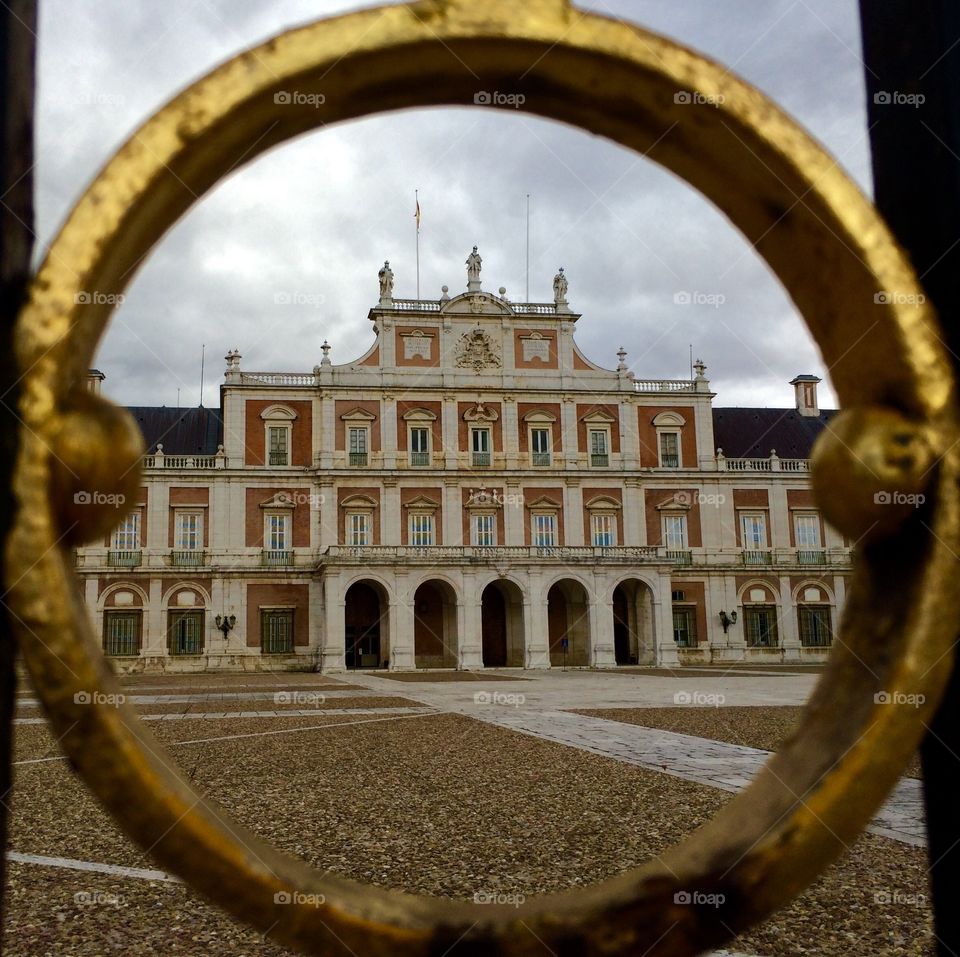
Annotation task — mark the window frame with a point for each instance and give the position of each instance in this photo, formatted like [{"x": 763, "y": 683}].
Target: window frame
[
  {"x": 279, "y": 613},
  {"x": 540, "y": 457},
  {"x": 179, "y": 542},
  {"x": 421, "y": 528},
  {"x": 476, "y": 534},
  {"x": 674, "y": 434},
  {"x": 807, "y": 614},
  {"x": 666, "y": 520},
  {"x": 351, "y": 531},
  {"x": 182, "y": 615},
  {"x": 595, "y": 430},
  {"x": 812, "y": 519},
  {"x": 749, "y": 616},
  {"x": 608, "y": 518},
  {"x": 122, "y": 532},
  {"x": 550, "y": 525},
  {"x": 418, "y": 428},
  {"x": 745, "y": 515},
  {"x": 116, "y": 614},
  {"x": 286, "y": 525},
  {"x": 689, "y": 612}
]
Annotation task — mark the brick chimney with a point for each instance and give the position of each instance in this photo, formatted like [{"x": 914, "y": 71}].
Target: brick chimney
[
  {"x": 805, "y": 390},
  {"x": 95, "y": 380}
]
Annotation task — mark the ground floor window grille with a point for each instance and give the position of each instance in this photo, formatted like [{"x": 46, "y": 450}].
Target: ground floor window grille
[
  {"x": 276, "y": 630},
  {"x": 684, "y": 627},
  {"x": 185, "y": 633},
  {"x": 760, "y": 626},
  {"x": 121, "y": 632},
  {"x": 814, "y": 621}
]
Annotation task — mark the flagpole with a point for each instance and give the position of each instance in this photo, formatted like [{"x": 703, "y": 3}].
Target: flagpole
[{"x": 416, "y": 194}]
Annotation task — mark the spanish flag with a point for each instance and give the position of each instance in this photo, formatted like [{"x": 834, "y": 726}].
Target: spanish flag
[{"x": 416, "y": 215}]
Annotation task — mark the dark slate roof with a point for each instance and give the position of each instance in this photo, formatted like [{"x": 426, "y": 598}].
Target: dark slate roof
[
  {"x": 180, "y": 431},
  {"x": 752, "y": 433}
]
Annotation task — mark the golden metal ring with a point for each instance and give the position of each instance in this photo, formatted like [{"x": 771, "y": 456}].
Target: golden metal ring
[{"x": 818, "y": 234}]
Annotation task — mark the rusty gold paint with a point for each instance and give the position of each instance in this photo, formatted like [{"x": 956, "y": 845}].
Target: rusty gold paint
[{"x": 813, "y": 227}]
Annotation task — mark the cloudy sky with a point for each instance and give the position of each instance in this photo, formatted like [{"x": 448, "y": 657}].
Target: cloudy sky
[{"x": 313, "y": 220}]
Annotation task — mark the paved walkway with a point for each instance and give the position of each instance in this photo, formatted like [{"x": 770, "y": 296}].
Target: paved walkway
[
  {"x": 285, "y": 713},
  {"x": 524, "y": 707}
]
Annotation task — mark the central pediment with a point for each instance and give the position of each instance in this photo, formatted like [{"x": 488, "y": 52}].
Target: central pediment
[{"x": 476, "y": 304}]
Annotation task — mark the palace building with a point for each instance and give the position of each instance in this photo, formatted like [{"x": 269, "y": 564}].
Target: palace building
[{"x": 473, "y": 492}]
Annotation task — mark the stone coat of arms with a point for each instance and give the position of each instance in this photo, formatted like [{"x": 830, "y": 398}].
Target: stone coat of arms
[{"x": 476, "y": 351}]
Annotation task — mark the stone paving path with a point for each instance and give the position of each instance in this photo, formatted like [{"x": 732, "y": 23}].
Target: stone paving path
[
  {"x": 286, "y": 713},
  {"x": 729, "y": 767},
  {"x": 718, "y": 764},
  {"x": 279, "y": 696}
]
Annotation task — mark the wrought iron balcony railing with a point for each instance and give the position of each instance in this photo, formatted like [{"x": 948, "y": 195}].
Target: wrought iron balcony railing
[
  {"x": 188, "y": 558},
  {"x": 273, "y": 557},
  {"x": 124, "y": 559}
]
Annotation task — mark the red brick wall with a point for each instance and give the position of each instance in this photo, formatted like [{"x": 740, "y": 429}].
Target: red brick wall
[
  {"x": 344, "y": 407},
  {"x": 649, "y": 452},
  {"x": 610, "y": 409},
  {"x": 184, "y": 497},
  {"x": 657, "y": 496},
  {"x": 694, "y": 594},
  {"x": 432, "y": 332},
  {"x": 282, "y": 596},
  {"x": 526, "y": 408},
  {"x": 590, "y": 493},
  {"x": 555, "y": 495},
  {"x": 301, "y": 441},
  {"x": 552, "y": 362},
  {"x": 300, "y": 515},
  {"x": 463, "y": 426},
  {"x": 436, "y": 426},
  {"x": 407, "y": 495},
  {"x": 346, "y": 492}
]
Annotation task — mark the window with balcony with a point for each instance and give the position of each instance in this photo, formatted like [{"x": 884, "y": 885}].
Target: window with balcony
[
  {"x": 278, "y": 437},
  {"x": 814, "y": 626},
  {"x": 484, "y": 530},
  {"x": 540, "y": 446},
  {"x": 358, "y": 529},
  {"x": 603, "y": 530},
  {"x": 185, "y": 633},
  {"x": 684, "y": 626},
  {"x": 277, "y": 549},
  {"x": 480, "y": 447},
  {"x": 125, "y": 551},
  {"x": 544, "y": 529},
  {"x": 276, "y": 631},
  {"x": 806, "y": 533},
  {"x": 188, "y": 539},
  {"x": 358, "y": 438},
  {"x": 421, "y": 529},
  {"x": 278, "y": 422},
  {"x": 121, "y": 633},
  {"x": 760, "y": 626},
  {"x": 599, "y": 448},
  {"x": 419, "y": 446},
  {"x": 673, "y": 532},
  {"x": 669, "y": 450},
  {"x": 753, "y": 538}
]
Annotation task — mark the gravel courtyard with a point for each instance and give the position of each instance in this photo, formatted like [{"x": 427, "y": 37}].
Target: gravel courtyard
[{"x": 397, "y": 783}]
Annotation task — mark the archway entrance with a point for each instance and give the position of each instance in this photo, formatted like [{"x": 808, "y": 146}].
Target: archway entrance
[
  {"x": 568, "y": 624},
  {"x": 435, "y": 626},
  {"x": 366, "y": 631},
  {"x": 501, "y": 624},
  {"x": 633, "y": 638}
]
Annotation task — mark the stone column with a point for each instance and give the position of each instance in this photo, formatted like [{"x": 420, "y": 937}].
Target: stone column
[
  {"x": 332, "y": 658},
  {"x": 573, "y": 531},
  {"x": 154, "y": 626},
  {"x": 568, "y": 432},
  {"x": 634, "y": 525},
  {"x": 602, "y": 653},
  {"x": 327, "y": 409},
  {"x": 469, "y": 625},
  {"x": 536, "y": 636},
  {"x": 388, "y": 431},
  {"x": 391, "y": 515},
  {"x": 450, "y": 431},
  {"x": 514, "y": 514},
  {"x": 787, "y": 625},
  {"x": 402, "y": 655},
  {"x": 510, "y": 431},
  {"x": 629, "y": 434},
  {"x": 667, "y": 655}
]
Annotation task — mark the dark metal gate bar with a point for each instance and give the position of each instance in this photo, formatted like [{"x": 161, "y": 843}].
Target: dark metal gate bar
[
  {"x": 913, "y": 50},
  {"x": 17, "y": 52}
]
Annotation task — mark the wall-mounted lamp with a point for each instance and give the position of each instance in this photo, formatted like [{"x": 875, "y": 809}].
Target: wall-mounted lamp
[
  {"x": 226, "y": 622},
  {"x": 727, "y": 620}
]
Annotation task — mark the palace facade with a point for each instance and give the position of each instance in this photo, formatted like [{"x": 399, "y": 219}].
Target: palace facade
[{"x": 473, "y": 492}]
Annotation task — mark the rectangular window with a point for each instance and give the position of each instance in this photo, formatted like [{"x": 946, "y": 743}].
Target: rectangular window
[
  {"x": 599, "y": 455},
  {"x": 684, "y": 626},
  {"x": 545, "y": 530},
  {"x": 421, "y": 530},
  {"x": 126, "y": 536},
  {"x": 279, "y": 444},
  {"x": 814, "y": 621},
  {"x": 806, "y": 529},
  {"x": 753, "y": 531},
  {"x": 419, "y": 446},
  {"x": 675, "y": 531},
  {"x": 185, "y": 633},
  {"x": 669, "y": 450},
  {"x": 277, "y": 533},
  {"x": 484, "y": 531},
  {"x": 358, "y": 529},
  {"x": 603, "y": 530},
  {"x": 276, "y": 631},
  {"x": 189, "y": 531},
  {"x": 760, "y": 626},
  {"x": 121, "y": 632},
  {"x": 358, "y": 445},
  {"x": 480, "y": 446},
  {"x": 540, "y": 446}
]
